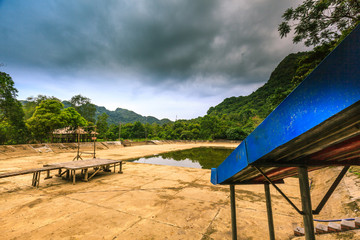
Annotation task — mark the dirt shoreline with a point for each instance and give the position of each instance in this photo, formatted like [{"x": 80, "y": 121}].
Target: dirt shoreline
[{"x": 153, "y": 202}]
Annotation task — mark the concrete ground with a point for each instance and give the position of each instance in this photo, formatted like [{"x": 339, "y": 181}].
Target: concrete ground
[{"x": 153, "y": 201}]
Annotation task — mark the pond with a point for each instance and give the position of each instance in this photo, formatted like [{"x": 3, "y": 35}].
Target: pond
[{"x": 203, "y": 157}]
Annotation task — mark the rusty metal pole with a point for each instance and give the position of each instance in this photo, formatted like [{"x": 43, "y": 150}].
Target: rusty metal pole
[
  {"x": 269, "y": 212},
  {"x": 233, "y": 212},
  {"x": 306, "y": 203}
]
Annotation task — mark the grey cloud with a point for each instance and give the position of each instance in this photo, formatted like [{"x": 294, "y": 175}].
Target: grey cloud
[{"x": 164, "y": 40}]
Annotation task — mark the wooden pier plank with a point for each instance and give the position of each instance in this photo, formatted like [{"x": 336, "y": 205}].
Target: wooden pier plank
[
  {"x": 28, "y": 171},
  {"x": 86, "y": 163}
]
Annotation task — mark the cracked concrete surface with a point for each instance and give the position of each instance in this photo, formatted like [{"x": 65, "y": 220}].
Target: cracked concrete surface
[{"x": 147, "y": 202}]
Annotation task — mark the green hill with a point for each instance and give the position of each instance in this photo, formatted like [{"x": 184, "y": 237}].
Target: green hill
[
  {"x": 266, "y": 98},
  {"x": 121, "y": 115}
]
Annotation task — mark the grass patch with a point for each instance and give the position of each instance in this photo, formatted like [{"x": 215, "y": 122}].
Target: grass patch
[
  {"x": 345, "y": 236},
  {"x": 355, "y": 170},
  {"x": 353, "y": 206},
  {"x": 207, "y": 234}
]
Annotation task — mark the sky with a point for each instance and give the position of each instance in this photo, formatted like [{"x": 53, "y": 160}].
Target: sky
[{"x": 164, "y": 58}]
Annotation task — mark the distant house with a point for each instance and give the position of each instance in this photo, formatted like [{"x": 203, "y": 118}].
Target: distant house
[{"x": 68, "y": 134}]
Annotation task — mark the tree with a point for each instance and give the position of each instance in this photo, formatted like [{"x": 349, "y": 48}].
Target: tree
[
  {"x": 46, "y": 118},
  {"x": 12, "y": 125},
  {"x": 8, "y": 94},
  {"x": 102, "y": 125},
  {"x": 84, "y": 106},
  {"x": 138, "y": 130},
  {"x": 113, "y": 132},
  {"x": 320, "y": 21},
  {"x": 235, "y": 134},
  {"x": 71, "y": 118},
  {"x": 32, "y": 102},
  {"x": 126, "y": 130},
  {"x": 208, "y": 126}
]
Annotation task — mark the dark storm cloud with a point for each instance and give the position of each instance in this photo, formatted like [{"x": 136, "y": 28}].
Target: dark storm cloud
[{"x": 164, "y": 41}]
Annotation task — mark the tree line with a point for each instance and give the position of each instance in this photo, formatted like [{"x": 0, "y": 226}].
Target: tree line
[{"x": 34, "y": 120}]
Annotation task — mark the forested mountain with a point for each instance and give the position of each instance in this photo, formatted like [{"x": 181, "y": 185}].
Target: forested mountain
[
  {"x": 121, "y": 115},
  {"x": 266, "y": 98}
]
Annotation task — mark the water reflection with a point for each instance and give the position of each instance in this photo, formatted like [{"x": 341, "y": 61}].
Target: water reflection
[{"x": 202, "y": 157}]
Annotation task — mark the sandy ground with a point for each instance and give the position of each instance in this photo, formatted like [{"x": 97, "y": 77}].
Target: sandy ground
[{"x": 155, "y": 202}]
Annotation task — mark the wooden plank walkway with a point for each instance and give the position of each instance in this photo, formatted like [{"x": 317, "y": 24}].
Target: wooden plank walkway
[
  {"x": 84, "y": 165},
  {"x": 70, "y": 168},
  {"x": 35, "y": 171},
  {"x": 27, "y": 171}
]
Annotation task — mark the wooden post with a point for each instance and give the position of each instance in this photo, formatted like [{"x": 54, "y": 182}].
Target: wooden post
[
  {"x": 95, "y": 144},
  {"x": 59, "y": 174},
  {"x": 86, "y": 174},
  {"x": 73, "y": 175},
  {"x": 120, "y": 170},
  {"x": 78, "y": 147},
  {"x": 48, "y": 174},
  {"x": 33, "y": 179},
  {"x": 97, "y": 170},
  {"x": 38, "y": 179}
]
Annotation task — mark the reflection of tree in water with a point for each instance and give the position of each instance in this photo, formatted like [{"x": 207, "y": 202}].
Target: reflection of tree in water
[{"x": 207, "y": 157}]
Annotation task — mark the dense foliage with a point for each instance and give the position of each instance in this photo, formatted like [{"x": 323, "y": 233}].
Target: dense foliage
[
  {"x": 318, "y": 22},
  {"x": 261, "y": 102},
  {"x": 84, "y": 106},
  {"x": 51, "y": 115},
  {"x": 12, "y": 125}
]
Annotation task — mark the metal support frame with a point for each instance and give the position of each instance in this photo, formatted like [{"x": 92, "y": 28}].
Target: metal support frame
[
  {"x": 307, "y": 211},
  {"x": 233, "y": 212},
  {"x": 331, "y": 190},
  {"x": 269, "y": 212},
  {"x": 279, "y": 190},
  {"x": 306, "y": 203}
]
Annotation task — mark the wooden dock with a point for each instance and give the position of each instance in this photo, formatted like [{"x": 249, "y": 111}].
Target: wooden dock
[
  {"x": 69, "y": 168},
  {"x": 84, "y": 165}
]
